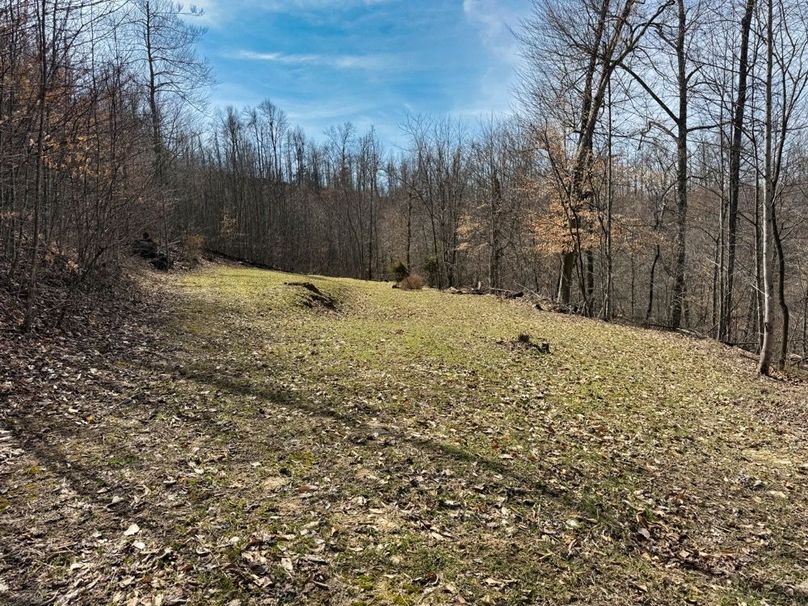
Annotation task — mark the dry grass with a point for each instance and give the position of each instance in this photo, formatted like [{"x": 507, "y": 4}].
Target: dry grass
[
  {"x": 412, "y": 282},
  {"x": 393, "y": 452}
]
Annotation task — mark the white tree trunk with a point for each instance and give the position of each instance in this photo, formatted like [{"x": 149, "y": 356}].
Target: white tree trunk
[{"x": 768, "y": 200}]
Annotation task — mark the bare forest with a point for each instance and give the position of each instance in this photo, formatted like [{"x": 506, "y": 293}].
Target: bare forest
[
  {"x": 654, "y": 171},
  {"x": 586, "y": 386}
]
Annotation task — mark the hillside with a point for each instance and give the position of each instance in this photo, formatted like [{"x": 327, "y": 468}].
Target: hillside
[{"x": 262, "y": 444}]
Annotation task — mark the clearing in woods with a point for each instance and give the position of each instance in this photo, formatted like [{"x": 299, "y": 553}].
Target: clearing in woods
[{"x": 387, "y": 447}]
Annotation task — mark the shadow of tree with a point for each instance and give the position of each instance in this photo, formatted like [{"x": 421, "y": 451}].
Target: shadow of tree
[
  {"x": 40, "y": 434},
  {"x": 288, "y": 399}
]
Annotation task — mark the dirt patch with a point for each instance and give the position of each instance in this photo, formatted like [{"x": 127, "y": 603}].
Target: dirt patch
[{"x": 314, "y": 297}]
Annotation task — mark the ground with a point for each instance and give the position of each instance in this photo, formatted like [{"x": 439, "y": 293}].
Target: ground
[{"x": 245, "y": 443}]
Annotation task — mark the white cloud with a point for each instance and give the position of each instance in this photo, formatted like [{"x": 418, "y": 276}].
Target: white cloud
[
  {"x": 213, "y": 13},
  {"x": 296, "y": 5},
  {"x": 362, "y": 62},
  {"x": 494, "y": 19}
]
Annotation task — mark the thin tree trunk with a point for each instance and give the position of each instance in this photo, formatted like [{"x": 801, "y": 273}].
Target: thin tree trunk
[
  {"x": 607, "y": 304},
  {"x": 409, "y": 232},
  {"x": 679, "y": 287},
  {"x": 651, "y": 284},
  {"x": 565, "y": 277},
  {"x": 39, "y": 194},
  {"x": 758, "y": 269},
  {"x": 725, "y": 324},
  {"x": 781, "y": 290},
  {"x": 768, "y": 197},
  {"x": 590, "y": 283}
]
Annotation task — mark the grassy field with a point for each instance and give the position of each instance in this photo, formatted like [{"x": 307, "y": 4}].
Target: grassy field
[{"x": 403, "y": 448}]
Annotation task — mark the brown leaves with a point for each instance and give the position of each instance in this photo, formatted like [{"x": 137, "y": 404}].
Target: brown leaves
[
  {"x": 409, "y": 460},
  {"x": 132, "y": 530}
]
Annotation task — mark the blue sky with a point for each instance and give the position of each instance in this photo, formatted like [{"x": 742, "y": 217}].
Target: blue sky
[{"x": 325, "y": 62}]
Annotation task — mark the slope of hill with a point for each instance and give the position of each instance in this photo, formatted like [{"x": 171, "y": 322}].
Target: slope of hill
[{"x": 307, "y": 440}]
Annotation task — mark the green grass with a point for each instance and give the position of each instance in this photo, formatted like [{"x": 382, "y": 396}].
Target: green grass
[
  {"x": 605, "y": 472},
  {"x": 401, "y": 450}
]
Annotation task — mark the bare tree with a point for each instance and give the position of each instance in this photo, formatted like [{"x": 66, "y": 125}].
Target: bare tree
[{"x": 573, "y": 49}]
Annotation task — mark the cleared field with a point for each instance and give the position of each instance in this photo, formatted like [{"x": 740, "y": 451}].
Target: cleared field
[{"x": 404, "y": 448}]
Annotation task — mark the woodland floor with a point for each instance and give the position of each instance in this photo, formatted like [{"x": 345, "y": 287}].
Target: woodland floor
[{"x": 254, "y": 446}]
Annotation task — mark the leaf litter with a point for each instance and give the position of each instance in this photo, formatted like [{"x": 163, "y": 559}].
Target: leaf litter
[{"x": 231, "y": 446}]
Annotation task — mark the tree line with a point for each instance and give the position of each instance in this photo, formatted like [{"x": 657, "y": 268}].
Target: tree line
[
  {"x": 92, "y": 97},
  {"x": 707, "y": 100},
  {"x": 654, "y": 170}
]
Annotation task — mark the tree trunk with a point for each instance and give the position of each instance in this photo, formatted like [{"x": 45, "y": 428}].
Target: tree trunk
[
  {"x": 725, "y": 322},
  {"x": 607, "y": 296},
  {"x": 651, "y": 281},
  {"x": 768, "y": 198},
  {"x": 565, "y": 277},
  {"x": 495, "y": 257},
  {"x": 781, "y": 290},
  {"x": 679, "y": 287},
  {"x": 590, "y": 283},
  {"x": 39, "y": 190}
]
